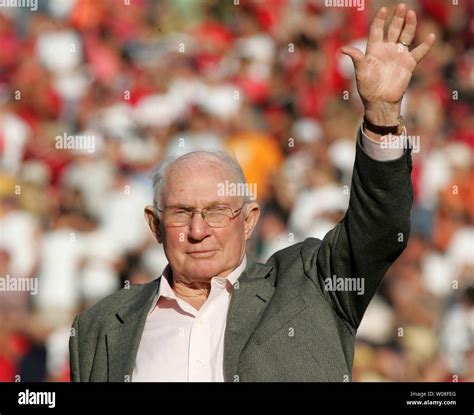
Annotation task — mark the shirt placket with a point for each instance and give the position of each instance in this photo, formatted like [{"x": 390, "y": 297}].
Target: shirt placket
[{"x": 200, "y": 347}]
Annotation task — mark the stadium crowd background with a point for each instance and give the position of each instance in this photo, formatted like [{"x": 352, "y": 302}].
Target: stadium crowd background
[{"x": 142, "y": 80}]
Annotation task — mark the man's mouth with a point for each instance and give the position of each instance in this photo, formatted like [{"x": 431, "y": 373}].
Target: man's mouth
[{"x": 202, "y": 253}]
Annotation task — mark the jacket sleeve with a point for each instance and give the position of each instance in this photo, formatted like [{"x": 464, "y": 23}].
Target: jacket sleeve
[
  {"x": 355, "y": 255},
  {"x": 74, "y": 351}
]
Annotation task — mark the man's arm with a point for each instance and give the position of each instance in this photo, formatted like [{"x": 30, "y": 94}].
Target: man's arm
[{"x": 355, "y": 255}]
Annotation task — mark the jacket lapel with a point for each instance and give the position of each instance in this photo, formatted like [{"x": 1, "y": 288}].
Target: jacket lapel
[
  {"x": 124, "y": 339},
  {"x": 251, "y": 295}
]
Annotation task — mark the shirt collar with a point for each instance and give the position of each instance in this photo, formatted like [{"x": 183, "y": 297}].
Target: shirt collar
[{"x": 165, "y": 289}]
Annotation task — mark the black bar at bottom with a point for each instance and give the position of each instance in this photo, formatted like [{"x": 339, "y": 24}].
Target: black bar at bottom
[{"x": 450, "y": 398}]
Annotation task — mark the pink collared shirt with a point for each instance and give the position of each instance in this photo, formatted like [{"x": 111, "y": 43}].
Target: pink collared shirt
[{"x": 182, "y": 344}]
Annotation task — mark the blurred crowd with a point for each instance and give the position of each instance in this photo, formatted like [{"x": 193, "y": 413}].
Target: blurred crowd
[{"x": 94, "y": 93}]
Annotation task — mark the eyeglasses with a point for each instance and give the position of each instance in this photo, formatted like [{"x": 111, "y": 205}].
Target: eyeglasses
[{"x": 215, "y": 217}]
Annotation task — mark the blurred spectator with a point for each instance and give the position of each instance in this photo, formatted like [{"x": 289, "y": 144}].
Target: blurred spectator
[{"x": 145, "y": 80}]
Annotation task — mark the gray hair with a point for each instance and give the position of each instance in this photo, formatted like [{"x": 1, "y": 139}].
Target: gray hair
[{"x": 160, "y": 174}]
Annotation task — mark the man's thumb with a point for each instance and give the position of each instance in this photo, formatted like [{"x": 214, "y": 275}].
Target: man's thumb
[{"x": 355, "y": 54}]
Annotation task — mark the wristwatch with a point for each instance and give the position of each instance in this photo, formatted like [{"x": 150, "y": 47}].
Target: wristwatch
[{"x": 396, "y": 129}]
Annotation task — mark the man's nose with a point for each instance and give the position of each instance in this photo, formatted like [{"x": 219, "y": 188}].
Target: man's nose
[{"x": 198, "y": 228}]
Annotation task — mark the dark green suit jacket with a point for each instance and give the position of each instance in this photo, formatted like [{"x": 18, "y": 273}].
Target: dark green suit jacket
[{"x": 285, "y": 323}]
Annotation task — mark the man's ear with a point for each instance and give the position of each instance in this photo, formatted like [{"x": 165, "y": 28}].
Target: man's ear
[
  {"x": 251, "y": 215},
  {"x": 153, "y": 222}
]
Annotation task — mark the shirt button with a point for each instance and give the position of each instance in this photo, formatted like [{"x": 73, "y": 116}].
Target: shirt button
[
  {"x": 198, "y": 362},
  {"x": 200, "y": 323}
]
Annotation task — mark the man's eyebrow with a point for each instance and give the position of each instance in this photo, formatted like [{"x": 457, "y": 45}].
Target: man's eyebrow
[
  {"x": 180, "y": 206},
  {"x": 215, "y": 203}
]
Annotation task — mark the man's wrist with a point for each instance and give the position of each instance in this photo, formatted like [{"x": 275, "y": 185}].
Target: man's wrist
[
  {"x": 384, "y": 130},
  {"x": 383, "y": 114}
]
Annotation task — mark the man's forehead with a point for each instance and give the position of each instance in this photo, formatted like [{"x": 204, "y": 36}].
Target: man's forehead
[
  {"x": 199, "y": 182},
  {"x": 198, "y": 174},
  {"x": 199, "y": 165}
]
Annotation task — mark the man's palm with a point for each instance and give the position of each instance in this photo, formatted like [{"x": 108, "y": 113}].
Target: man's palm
[
  {"x": 384, "y": 71},
  {"x": 384, "y": 74}
]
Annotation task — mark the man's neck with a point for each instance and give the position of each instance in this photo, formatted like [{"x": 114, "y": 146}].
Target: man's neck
[{"x": 194, "y": 293}]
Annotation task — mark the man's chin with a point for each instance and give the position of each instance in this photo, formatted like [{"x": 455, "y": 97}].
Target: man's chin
[{"x": 203, "y": 269}]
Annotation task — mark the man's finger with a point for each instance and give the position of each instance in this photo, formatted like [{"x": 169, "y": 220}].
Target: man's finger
[
  {"x": 420, "y": 52},
  {"x": 355, "y": 54},
  {"x": 408, "y": 33},
  {"x": 376, "y": 28},
  {"x": 397, "y": 22}
]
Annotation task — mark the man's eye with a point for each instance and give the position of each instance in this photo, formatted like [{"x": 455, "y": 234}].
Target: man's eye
[
  {"x": 218, "y": 211},
  {"x": 179, "y": 212}
]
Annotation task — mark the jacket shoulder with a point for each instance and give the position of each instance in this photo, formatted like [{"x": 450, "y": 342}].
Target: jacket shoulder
[{"x": 306, "y": 249}]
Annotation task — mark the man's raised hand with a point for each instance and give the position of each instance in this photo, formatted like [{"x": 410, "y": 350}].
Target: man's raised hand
[{"x": 384, "y": 71}]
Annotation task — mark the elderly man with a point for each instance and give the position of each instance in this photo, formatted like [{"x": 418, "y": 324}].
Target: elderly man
[{"x": 216, "y": 315}]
